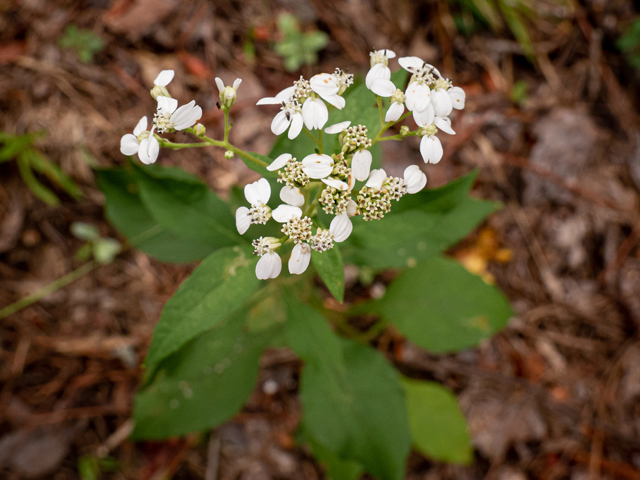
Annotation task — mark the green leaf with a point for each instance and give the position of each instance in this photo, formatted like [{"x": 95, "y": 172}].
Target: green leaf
[
  {"x": 84, "y": 231},
  {"x": 331, "y": 270},
  {"x": 201, "y": 385},
  {"x": 353, "y": 403},
  {"x": 441, "y": 307},
  {"x": 315, "y": 41},
  {"x": 336, "y": 468},
  {"x": 438, "y": 427},
  {"x": 127, "y": 213},
  {"x": 54, "y": 173},
  {"x": 185, "y": 206},
  {"x": 215, "y": 290},
  {"x": 37, "y": 188},
  {"x": 106, "y": 249}
]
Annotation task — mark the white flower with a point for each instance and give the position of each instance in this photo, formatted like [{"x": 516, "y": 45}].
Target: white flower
[
  {"x": 300, "y": 258},
  {"x": 317, "y": 165},
  {"x": 441, "y": 102},
  {"x": 257, "y": 194},
  {"x": 284, "y": 213},
  {"x": 340, "y": 228},
  {"x": 314, "y": 113},
  {"x": 292, "y": 196},
  {"x": 290, "y": 117},
  {"x": 269, "y": 266},
  {"x": 280, "y": 97},
  {"x": 444, "y": 124},
  {"x": 352, "y": 208},
  {"x": 228, "y": 94},
  {"x": 457, "y": 97},
  {"x": 418, "y": 96},
  {"x": 170, "y": 117},
  {"x": 395, "y": 111},
  {"x": 361, "y": 164},
  {"x": 164, "y": 78},
  {"x": 424, "y": 117},
  {"x": 335, "y": 183},
  {"x": 376, "y": 179},
  {"x": 141, "y": 142},
  {"x": 416, "y": 65},
  {"x": 327, "y": 86},
  {"x": 431, "y": 149},
  {"x": 378, "y": 79},
  {"x": 338, "y": 127},
  {"x": 279, "y": 162},
  {"x": 414, "y": 178}
]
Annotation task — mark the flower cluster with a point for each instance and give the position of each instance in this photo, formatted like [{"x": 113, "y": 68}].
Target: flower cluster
[
  {"x": 429, "y": 96},
  {"x": 168, "y": 118}
]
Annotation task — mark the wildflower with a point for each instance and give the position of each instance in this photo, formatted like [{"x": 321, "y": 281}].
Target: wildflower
[
  {"x": 457, "y": 97},
  {"x": 378, "y": 79},
  {"x": 228, "y": 93},
  {"x": 396, "y": 107},
  {"x": 292, "y": 196},
  {"x": 141, "y": 142},
  {"x": 270, "y": 263},
  {"x": 317, "y": 165},
  {"x": 338, "y": 127},
  {"x": 298, "y": 229},
  {"x": 289, "y": 117},
  {"x": 329, "y": 86},
  {"x": 414, "y": 179},
  {"x": 374, "y": 199},
  {"x": 257, "y": 194},
  {"x": 169, "y": 117},
  {"x": 339, "y": 230},
  {"x": 300, "y": 258},
  {"x": 284, "y": 213},
  {"x": 280, "y": 97},
  {"x": 361, "y": 164},
  {"x": 431, "y": 149},
  {"x": 314, "y": 113},
  {"x": 440, "y": 99},
  {"x": 160, "y": 84}
]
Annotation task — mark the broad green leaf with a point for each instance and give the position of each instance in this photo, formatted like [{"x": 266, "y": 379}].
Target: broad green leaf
[
  {"x": 53, "y": 172},
  {"x": 353, "y": 403},
  {"x": 185, "y": 206},
  {"x": 438, "y": 427},
  {"x": 127, "y": 213},
  {"x": 215, "y": 290},
  {"x": 201, "y": 385},
  {"x": 441, "y": 307},
  {"x": 336, "y": 468},
  {"x": 331, "y": 270},
  {"x": 37, "y": 188}
]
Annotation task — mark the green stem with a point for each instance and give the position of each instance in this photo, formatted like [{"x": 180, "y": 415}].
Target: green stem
[
  {"x": 385, "y": 127},
  {"x": 226, "y": 125},
  {"x": 313, "y": 138},
  {"x": 379, "y": 102},
  {"x": 47, "y": 290},
  {"x": 320, "y": 143},
  {"x": 310, "y": 210},
  {"x": 246, "y": 155},
  {"x": 177, "y": 146}
]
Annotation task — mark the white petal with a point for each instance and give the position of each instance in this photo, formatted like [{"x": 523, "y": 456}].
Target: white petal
[
  {"x": 396, "y": 109},
  {"x": 341, "y": 227},
  {"x": 314, "y": 113},
  {"x": 243, "y": 220},
  {"x": 269, "y": 266},
  {"x": 457, "y": 97},
  {"x": 236, "y": 83},
  {"x": 280, "y": 123},
  {"x": 424, "y": 117},
  {"x": 317, "y": 165},
  {"x": 383, "y": 88},
  {"x": 279, "y": 162},
  {"x": 258, "y": 193},
  {"x": 410, "y": 64},
  {"x": 352, "y": 207},
  {"x": 186, "y": 116},
  {"x": 324, "y": 84},
  {"x": 431, "y": 149},
  {"x": 292, "y": 196},
  {"x": 361, "y": 164},
  {"x": 149, "y": 150},
  {"x": 219, "y": 84},
  {"x": 338, "y": 127},
  {"x": 335, "y": 183},
  {"x": 279, "y": 98},
  {"x": 284, "y": 213},
  {"x": 414, "y": 178},
  {"x": 141, "y": 126},
  {"x": 441, "y": 102},
  {"x": 418, "y": 96},
  {"x": 164, "y": 78},
  {"x": 297, "y": 122},
  {"x": 389, "y": 53},
  {"x": 166, "y": 104},
  {"x": 269, "y": 101},
  {"x": 335, "y": 100},
  {"x": 300, "y": 258},
  {"x": 444, "y": 124},
  {"x": 376, "y": 179},
  {"x": 378, "y": 72},
  {"x": 129, "y": 144}
]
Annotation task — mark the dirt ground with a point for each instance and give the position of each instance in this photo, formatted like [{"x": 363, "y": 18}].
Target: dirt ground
[{"x": 554, "y": 396}]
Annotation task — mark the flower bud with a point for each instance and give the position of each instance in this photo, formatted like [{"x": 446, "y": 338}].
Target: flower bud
[
  {"x": 404, "y": 130},
  {"x": 429, "y": 130},
  {"x": 199, "y": 130},
  {"x": 228, "y": 93},
  {"x": 228, "y": 154},
  {"x": 159, "y": 90}
]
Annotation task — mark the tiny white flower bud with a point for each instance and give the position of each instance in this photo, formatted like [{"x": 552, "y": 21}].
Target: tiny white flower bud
[
  {"x": 199, "y": 129},
  {"x": 228, "y": 154},
  {"x": 404, "y": 130}
]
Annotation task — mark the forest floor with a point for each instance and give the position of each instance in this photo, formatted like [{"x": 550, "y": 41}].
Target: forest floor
[{"x": 556, "y": 395}]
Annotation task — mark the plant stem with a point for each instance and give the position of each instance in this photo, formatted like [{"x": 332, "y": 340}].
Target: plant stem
[
  {"x": 313, "y": 138},
  {"x": 379, "y": 102},
  {"x": 49, "y": 289},
  {"x": 226, "y": 125},
  {"x": 320, "y": 141},
  {"x": 309, "y": 212},
  {"x": 386, "y": 126}
]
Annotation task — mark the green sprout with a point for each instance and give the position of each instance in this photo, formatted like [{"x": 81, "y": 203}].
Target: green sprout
[
  {"x": 629, "y": 43},
  {"x": 29, "y": 159},
  {"x": 84, "y": 42},
  {"x": 296, "y": 47}
]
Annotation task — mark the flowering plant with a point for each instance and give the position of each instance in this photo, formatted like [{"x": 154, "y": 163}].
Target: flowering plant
[{"x": 334, "y": 206}]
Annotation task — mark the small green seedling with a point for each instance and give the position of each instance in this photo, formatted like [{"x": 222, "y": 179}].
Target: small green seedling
[
  {"x": 84, "y": 42},
  {"x": 629, "y": 43},
  {"x": 296, "y": 47},
  {"x": 104, "y": 250}
]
